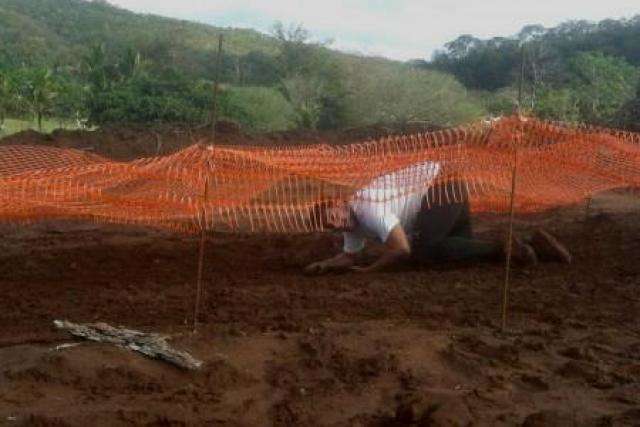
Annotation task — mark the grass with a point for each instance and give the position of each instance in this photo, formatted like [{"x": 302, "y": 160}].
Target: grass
[{"x": 12, "y": 126}]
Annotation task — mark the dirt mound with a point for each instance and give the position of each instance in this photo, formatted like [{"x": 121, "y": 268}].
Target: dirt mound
[
  {"x": 131, "y": 142},
  {"x": 27, "y": 137}
]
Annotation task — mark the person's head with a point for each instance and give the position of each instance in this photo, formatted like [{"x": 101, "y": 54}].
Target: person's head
[{"x": 332, "y": 215}]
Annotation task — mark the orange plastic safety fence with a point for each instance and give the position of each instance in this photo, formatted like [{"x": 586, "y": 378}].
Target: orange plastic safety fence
[{"x": 238, "y": 188}]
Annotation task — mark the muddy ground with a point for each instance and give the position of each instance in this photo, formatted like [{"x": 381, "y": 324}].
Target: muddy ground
[{"x": 409, "y": 347}]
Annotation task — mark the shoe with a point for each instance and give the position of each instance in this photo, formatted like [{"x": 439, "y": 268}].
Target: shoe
[
  {"x": 549, "y": 248},
  {"x": 523, "y": 253}
]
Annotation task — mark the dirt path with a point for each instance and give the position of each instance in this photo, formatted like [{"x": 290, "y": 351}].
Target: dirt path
[{"x": 412, "y": 347}]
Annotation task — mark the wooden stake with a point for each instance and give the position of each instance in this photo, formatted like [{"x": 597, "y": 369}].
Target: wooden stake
[
  {"x": 587, "y": 209},
  {"x": 186, "y": 283},
  {"x": 203, "y": 240},
  {"x": 507, "y": 273},
  {"x": 214, "y": 109},
  {"x": 514, "y": 176},
  {"x": 203, "y": 232},
  {"x": 521, "y": 85}
]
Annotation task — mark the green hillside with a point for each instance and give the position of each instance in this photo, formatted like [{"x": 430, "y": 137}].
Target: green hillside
[
  {"x": 62, "y": 32},
  {"x": 44, "y": 32},
  {"x": 93, "y": 63},
  {"x": 59, "y": 29}
]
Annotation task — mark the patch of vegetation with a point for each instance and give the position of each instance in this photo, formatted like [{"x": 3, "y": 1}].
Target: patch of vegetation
[
  {"x": 258, "y": 109},
  {"x": 12, "y": 126},
  {"x": 94, "y": 63},
  {"x": 578, "y": 71}
]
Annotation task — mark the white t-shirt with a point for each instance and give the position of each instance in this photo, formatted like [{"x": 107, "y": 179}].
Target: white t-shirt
[{"x": 389, "y": 200}]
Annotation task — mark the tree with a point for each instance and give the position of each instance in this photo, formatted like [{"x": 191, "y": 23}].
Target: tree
[
  {"x": 131, "y": 64},
  {"x": 385, "y": 95},
  {"x": 501, "y": 102},
  {"x": 258, "y": 68},
  {"x": 602, "y": 85},
  {"x": 146, "y": 99},
  {"x": 96, "y": 70},
  {"x": 596, "y": 90},
  {"x": 257, "y": 109},
  {"x": 296, "y": 55},
  {"x": 493, "y": 64},
  {"x": 7, "y": 96},
  {"x": 70, "y": 105},
  {"x": 558, "y": 104},
  {"x": 40, "y": 91},
  {"x": 530, "y": 33},
  {"x": 462, "y": 46},
  {"x": 311, "y": 79},
  {"x": 630, "y": 113},
  {"x": 484, "y": 65},
  {"x": 305, "y": 96}
]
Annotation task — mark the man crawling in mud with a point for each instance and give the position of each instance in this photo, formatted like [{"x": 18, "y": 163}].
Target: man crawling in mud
[{"x": 430, "y": 225}]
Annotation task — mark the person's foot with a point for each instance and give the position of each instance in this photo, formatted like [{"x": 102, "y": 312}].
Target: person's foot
[
  {"x": 523, "y": 253},
  {"x": 549, "y": 248}
]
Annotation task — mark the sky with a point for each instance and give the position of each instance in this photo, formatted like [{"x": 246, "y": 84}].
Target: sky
[{"x": 396, "y": 29}]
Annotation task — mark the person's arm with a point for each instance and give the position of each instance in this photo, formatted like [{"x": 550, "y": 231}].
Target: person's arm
[
  {"x": 353, "y": 245},
  {"x": 397, "y": 248},
  {"x": 342, "y": 261}
]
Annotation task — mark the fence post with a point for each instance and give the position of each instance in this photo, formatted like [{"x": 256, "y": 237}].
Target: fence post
[
  {"x": 507, "y": 273},
  {"x": 514, "y": 177},
  {"x": 203, "y": 240},
  {"x": 214, "y": 109}
]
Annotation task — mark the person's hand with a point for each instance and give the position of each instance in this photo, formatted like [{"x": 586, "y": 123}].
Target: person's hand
[
  {"x": 317, "y": 268},
  {"x": 339, "y": 263}
]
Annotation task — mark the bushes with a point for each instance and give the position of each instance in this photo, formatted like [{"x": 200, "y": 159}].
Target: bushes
[
  {"x": 558, "y": 104},
  {"x": 388, "y": 95},
  {"x": 601, "y": 86},
  {"x": 258, "y": 109},
  {"x": 149, "y": 99}
]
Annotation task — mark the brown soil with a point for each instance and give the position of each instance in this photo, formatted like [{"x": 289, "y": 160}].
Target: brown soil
[{"x": 410, "y": 347}]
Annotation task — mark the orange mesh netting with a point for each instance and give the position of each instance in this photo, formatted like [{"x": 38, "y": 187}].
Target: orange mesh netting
[{"x": 239, "y": 188}]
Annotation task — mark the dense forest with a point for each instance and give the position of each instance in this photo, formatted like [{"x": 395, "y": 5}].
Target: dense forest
[
  {"x": 578, "y": 71},
  {"x": 93, "y": 64}
]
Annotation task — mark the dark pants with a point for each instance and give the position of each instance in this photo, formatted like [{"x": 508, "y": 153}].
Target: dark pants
[{"x": 443, "y": 229}]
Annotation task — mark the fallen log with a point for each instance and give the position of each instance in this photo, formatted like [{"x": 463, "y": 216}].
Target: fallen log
[{"x": 149, "y": 344}]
